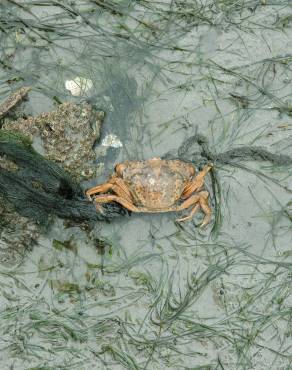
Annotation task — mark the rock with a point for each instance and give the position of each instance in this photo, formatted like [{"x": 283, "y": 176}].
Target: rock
[
  {"x": 17, "y": 235},
  {"x": 65, "y": 136}
]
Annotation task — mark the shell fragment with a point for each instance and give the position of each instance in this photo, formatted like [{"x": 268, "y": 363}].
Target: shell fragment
[{"x": 78, "y": 86}]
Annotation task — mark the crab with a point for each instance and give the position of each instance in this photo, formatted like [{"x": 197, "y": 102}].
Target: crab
[{"x": 155, "y": 185}]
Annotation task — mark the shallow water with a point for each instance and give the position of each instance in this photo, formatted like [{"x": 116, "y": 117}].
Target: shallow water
[{"x": 152, "y": 294}]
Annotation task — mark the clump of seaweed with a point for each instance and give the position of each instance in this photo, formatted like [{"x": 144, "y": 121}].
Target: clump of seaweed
[{"x": 40, "y": 187}]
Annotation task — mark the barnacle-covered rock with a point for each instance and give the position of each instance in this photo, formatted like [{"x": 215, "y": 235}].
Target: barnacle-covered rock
[
  {"x": 65, "y": 136},
  {"x": 17, "y": 234},
  {"x": 13, "y": 100}
]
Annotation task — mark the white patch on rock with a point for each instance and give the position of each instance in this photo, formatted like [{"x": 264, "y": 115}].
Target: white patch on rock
[{"x": 112, "y": 141}]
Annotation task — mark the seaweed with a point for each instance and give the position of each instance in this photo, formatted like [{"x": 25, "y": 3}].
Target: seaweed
[
  {"x": 40, "y": 188},
  {"x": 245, "y": 153}
]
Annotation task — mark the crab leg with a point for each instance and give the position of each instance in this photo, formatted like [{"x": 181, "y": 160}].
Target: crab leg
[
  {"x": 207, "y": 210},
  {"x": 191, "y": 215},
  {"x": 196, "y": 183},
  {"x": 121, "y": 189},
  {"x": 115, "y": 184},
  {"x": 99, "y": 189},
  {"x": 199, "y": 200},
  {"x": 107, "y": 198}
]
